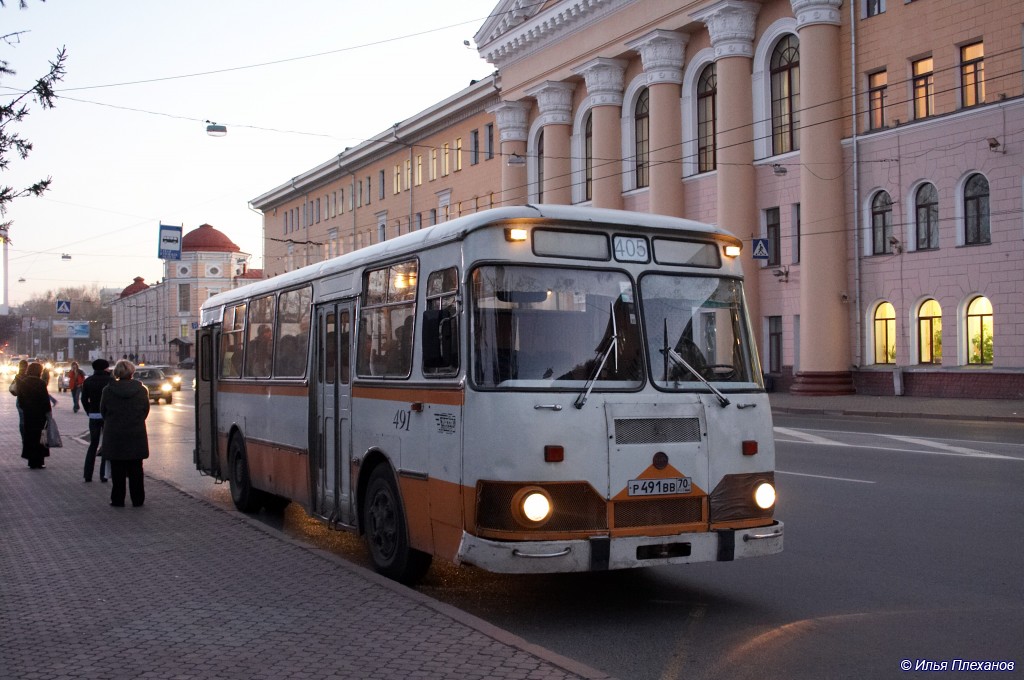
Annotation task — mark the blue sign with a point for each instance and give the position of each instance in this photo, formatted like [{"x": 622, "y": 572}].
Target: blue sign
[
  {"x": 170, "y": 242},
  {"x": 761, "y": 249},
  {"x": 63, "y": 306}
]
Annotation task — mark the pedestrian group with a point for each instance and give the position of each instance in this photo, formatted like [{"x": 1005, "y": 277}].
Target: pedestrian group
[{"x": 117, "y": 406}]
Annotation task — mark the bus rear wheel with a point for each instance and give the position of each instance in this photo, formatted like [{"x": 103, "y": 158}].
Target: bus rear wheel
[
  {"x": 387, "y": 531},
  {"x": 244, "y": 496}
]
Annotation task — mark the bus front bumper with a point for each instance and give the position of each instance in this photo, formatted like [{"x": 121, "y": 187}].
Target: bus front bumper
[{"x": 601, "y": 553}]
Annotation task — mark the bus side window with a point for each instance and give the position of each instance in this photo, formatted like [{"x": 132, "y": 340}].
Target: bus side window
[
  {"x": 386, "y": 321},
  {"x": 230, "y": 359},
  {"x": 439, "y": 334}
]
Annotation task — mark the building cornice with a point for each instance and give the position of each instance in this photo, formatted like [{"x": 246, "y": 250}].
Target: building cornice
[
  {"x": 731, "y": 24},
  {"x": 811, "y": 12},
  {"x": 512, "y": 32}
]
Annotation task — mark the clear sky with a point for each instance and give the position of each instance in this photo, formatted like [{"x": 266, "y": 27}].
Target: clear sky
[{"x": 127, "y": 155}]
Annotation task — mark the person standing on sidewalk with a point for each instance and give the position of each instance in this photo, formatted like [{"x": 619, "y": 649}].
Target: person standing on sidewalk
[
  {"x": 34, "y": 402},
  {"x": 92, "y": 392},
  {"x": 124, "y": 407},
  {"x": 22, "y": 370},
  {"x": 76, "y": 378}
]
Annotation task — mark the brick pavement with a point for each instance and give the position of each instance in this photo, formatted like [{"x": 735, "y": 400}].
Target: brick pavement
[{"x": 180, "y": 589}]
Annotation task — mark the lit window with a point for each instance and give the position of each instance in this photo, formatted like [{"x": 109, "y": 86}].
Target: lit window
[
  {"x": 877, "y": 84},
  {"x": 979, "y": 331},
  {"x": 885, "y": 334},
  {"x": 924, "y": 88},
  {"x": 929, "y": 333}
]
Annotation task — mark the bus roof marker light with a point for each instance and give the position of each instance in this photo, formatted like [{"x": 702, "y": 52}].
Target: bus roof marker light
[
  {"x": 733, "y": 251},
  {"x": 513, "y": 234}
]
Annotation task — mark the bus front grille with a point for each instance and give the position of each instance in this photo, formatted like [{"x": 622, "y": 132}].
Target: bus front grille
[
  {"x": 656, "y": 430},
  {"x": 652, "y": 512}
]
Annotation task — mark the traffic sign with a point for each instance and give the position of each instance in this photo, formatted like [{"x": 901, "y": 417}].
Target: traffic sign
[
  {"x": 760, "y": 249},
  {"x": 63, "y": 306}
]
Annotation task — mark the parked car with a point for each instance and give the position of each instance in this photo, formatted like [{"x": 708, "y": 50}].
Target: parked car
[
  {"x": 187, "y": 364},
  {"x": 157, "y": 383},
  {"x": 173, "y": 374}
]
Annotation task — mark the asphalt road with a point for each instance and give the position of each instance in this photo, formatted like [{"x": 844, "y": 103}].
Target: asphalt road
[{"x": 903, "y": 544}]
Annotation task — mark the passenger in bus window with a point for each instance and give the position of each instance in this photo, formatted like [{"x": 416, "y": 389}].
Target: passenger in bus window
[{"x": 260, "y": 352}]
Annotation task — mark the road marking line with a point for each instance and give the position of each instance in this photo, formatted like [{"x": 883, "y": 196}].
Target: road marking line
[
  {"x": 837, "y": 479},
  {"x": 806, "y": 436},
  {"x": 948, "y": 448},
  {"x": 943, "y": 449}
]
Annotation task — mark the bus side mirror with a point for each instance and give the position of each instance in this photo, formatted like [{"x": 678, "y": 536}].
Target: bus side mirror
[{"x": 439, "y": 339}]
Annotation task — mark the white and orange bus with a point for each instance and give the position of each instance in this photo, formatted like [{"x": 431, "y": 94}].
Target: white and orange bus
[{"x": 526, "y": 389}]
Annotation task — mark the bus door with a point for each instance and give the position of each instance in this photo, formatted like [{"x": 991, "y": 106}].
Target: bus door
[
  {"x": 332, "y": 388},
  {"x": 205, "y": 452}
]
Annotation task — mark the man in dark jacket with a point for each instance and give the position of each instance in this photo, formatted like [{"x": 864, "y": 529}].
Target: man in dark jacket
[
  {"x": 92, "y": 391},
  {"x": 125, "y": 407}
]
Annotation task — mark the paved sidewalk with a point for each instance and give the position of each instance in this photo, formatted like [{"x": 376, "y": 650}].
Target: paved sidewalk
[{"x": 180, "y": 589}]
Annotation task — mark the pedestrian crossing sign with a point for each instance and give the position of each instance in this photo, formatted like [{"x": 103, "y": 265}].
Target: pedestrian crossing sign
[
  {"x": 63, "y": 306},
  {"x": 760, "y": 249}
]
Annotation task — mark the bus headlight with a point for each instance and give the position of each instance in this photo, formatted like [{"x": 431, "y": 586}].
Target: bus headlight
[
  {"x": 532, "y": 506},
  {"x": 764, "y": 495}
]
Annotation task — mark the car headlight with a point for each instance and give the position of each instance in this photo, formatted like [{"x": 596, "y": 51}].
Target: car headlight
[
  {"x": 176, "y": 380},
  {"x": 764, "y": 495},
  {"x": 166, "y": 387}
]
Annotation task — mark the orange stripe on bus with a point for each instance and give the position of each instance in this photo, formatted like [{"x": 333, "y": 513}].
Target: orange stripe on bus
[{"x": 447, "y": 397}]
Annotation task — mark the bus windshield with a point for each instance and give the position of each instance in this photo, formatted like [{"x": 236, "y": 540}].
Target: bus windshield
[
  {"x": 696, "y": 325},
  {"x": 557, "y": 328}
]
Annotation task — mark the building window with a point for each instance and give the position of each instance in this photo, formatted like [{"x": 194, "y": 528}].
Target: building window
[
  {"x": 929, "y": 333},
  {"x": 419, "y": 221},
  {"x": 341, "y": 201},
  {"x": 380, "y": 186},
  {"x": 976, "y": 212},
  {"x": 785, "y": 71},
  {"x": 642, "y": 128},
  {"x": 877, "y": 84},
  {"x": 774, "y": 344},
  {"x": 707, "y": 91},
  {"x": 881, "y": 224},
  {"x": 796, "y": 233},
  {"x": 489, "y": 141},
  {"x": 540, "y": 167},
  {"x": 924, "y": 88},
  {"x": 446, "y": 159},
  {"x": 419, "y": 169},
  {"x": 773, "y": 231},
  {"x": 184, "y": 297},
  {"x": 396, "y": 180},
  {"x": 979, "y": 331},
  {"x": 433, "y": 164},
  {"x": 926, "y": 203},
  {"x": 972, "y": 74},
  {"x": 359, "y": 198},
  {"x": 458, "y": 154},
  {"x": 885, "y": 334},
  {"x": 474, "y": 147},
  {"x": 874, "y": 7},
  {"x": 588, "y": 154},
  {"x": 382, "y": 232}
]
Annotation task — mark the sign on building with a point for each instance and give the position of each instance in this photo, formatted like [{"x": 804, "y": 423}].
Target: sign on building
[
  {"x": 170, "y": 242},
  {"x": 761, "y": 249}
]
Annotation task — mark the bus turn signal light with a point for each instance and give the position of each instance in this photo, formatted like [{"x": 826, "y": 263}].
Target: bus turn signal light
[{"x": 749, "y": 447}]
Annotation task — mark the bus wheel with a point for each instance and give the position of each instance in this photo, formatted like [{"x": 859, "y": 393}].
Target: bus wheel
[
  {"x": 244, "y": 496},
  {"x": 386, "y": 531}
]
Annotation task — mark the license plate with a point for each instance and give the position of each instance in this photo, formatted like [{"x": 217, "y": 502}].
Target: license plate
[{"x": 658, "y": 487}]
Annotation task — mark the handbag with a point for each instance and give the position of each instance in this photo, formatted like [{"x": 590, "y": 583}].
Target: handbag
[{"x": 53, "y": 439}]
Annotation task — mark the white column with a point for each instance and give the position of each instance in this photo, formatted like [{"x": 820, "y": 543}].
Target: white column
[
  {"x": 512, "y": 121},
  {"x": 604, "y": 78},
  {"x": 555, "y": 102}
]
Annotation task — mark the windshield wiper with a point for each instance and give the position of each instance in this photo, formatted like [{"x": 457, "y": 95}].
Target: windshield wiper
[
  {"x": 675, "y": 356},
  {"x": 613, "y": 344}
]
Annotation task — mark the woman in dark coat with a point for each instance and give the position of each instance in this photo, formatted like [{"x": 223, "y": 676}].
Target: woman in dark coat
[
  {"x": 125, "y": 407},
  {"x": 34, "y": 402}
]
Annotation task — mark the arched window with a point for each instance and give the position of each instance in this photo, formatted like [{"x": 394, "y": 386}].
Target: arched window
[
  {"x": 642, "y": 148},
  {"x": 785, "y": 70},
  {"x": 881, "y": 223},
  {"x": 976, "y": 226},
  {"x": 540, "y": 167},
  {"x": 929, "y": 333},
  {"x": 707, "y": 90},
  {"x": 979, "y": 331},
  {"x": 926, "y": 202},
  {"x": 885, "y": 334},
  {"x": 588, "y": 154}
]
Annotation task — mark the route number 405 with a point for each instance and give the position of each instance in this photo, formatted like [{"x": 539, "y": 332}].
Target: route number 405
[{"x": 631, "y": 249}]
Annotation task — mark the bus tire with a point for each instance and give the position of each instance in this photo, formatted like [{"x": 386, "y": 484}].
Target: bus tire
[
  {"x": 386, "y": 531},
  {"x": 243, "y": 495}
]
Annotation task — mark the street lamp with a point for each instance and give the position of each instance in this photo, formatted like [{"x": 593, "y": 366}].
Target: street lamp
[{"x": 215, "y": 130}]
